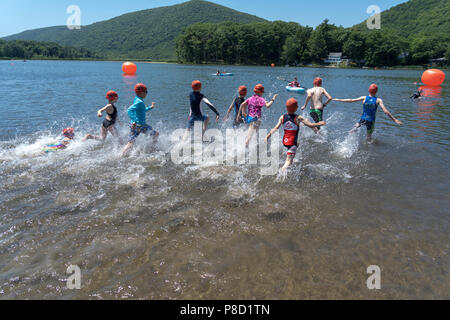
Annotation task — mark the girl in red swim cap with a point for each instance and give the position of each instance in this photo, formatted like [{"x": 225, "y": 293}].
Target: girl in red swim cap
[
  {"x": 291, "y": 123},
  {"x": 370, "y": 106},
  {"x": 111, "y": 117},
  {"x": 254, "y": 115}
]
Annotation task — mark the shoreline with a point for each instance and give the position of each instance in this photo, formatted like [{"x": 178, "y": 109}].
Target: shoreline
[{"x": 410, "y": 67}]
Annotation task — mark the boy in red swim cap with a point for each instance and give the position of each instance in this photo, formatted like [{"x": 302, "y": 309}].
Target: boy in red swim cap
[
  {"x": 315, "y": 96},
  {"x": 236, "y": 105},
  {"x": 111, "y": 117},
  {"x": 196, "y": 115},
  {"x": 370, "y": 107},
  {"x": 255, "y": 105},
  {"x": 291, "y": 123},
  {"x": 68, "y": 134},
  {"x": 137, "y": 113}
]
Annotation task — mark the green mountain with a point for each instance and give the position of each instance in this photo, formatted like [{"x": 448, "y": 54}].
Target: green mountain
[
  {"x": 147, "y": 34},
  {"x": 416, "y": 16}
]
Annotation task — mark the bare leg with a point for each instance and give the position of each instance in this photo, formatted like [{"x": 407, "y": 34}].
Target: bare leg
[
  {"x": 357, "y": 126},
  {"x": 127, "y": 149},
  {"x": 155, "y": 137},
  {"x": 205, "y": 126},
  {"x": 251, "y": 131},
  {"x": 187, "y": 135},
  {"x": 102, "y": 137},
  {"x": 289, "y": 161}
]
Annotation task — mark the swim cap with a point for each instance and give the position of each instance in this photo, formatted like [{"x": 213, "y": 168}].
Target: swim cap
[
  {"x": 259, "y": 88},
  {"x": 111, "y": 95},
  {"x": 140, "y": 88},
  {"x": 242, "y": 90},
  {"x": 196, "y": 85},
  {"x": 292, "y": 105},
  {"x": 69, "y": 133},
  {"x": 373, "y": 89},
  {"x": 317, "y": 82}
]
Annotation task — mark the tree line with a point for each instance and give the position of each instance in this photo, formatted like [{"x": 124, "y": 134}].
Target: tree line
[
  {"x": 289, "y": 43},
  {"x": 18, "y": 49}
]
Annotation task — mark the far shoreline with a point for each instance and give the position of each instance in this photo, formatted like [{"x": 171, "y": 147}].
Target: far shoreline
[{"x": 406, "y": 67}]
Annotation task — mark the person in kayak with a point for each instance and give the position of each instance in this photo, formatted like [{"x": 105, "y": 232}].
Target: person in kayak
[
  {"x": 254, "y": 114},
  {"x": 111, "y": 117},
  {"x": 196, "y": 98},
  {"x": 236, "y": 105},
  {"x": 68, "y": 134},
  {"x": 137, "y": 113},
  {"x": 370, "y": 107},
  {"x": 291, "y": 123},
  {"x": 294, "y": 84},
  {"x": 315, "y": 96}
]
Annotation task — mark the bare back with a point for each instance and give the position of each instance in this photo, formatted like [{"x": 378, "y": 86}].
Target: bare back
[{"x": 316, "y": 94}]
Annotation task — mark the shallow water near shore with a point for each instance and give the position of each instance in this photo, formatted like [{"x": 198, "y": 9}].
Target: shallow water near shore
[{"x": 144, "y": 228}]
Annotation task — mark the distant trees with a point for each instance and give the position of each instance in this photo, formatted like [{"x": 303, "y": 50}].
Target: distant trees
[
  {"x": 47, "y": 50},
  {"x": 290, "y": 43}
]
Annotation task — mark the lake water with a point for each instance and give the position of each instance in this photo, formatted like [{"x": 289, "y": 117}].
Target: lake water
[{"x": 143, "y": 227}]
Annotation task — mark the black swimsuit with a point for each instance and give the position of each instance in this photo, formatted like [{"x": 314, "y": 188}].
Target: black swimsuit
[{"x": 108, "y": 123}]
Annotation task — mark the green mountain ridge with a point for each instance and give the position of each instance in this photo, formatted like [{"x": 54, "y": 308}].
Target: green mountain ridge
[
  {"x": 152, "y": 33},
  {"x": 143, "y": 34}
]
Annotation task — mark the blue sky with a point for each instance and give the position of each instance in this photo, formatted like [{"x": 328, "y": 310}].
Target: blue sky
[{"x": 20, "y": 15}]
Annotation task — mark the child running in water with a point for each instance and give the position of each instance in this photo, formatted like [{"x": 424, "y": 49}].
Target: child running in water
[
  {"x": 255, "y": 104},
  {"x": 196, "y": 99},
  {"x": 137, "y": 113},
  {"x": 110, "y": 121},
  {"x": 291, "y": 124},
  {"x": 370, "y": 107},
  {"x": 68, "y": 134},
  {"x": 315, "y": 96},
  {"x": 236, "y": 105}
]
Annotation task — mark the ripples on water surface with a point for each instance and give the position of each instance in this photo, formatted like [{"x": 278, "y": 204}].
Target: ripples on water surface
[{"x": 143, "y": 227}]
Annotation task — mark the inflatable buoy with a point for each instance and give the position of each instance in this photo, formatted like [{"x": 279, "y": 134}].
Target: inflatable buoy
[
  {"x": 433, "y": 77},
  {"x": 273, "y": 65},
  {"x": 129, "y": 68},
  {"x": 300, "y": 90}
]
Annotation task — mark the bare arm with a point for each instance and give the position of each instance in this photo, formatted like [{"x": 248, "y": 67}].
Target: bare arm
[
  {"x": 310, "y": 124},
  {"x": 243, "y": 109},
  {"x": 325, "y": 92},
  {"x": 350, "y": 100},
  {"x": 105, "y": 108},
  {"x": 280, "y": 122},
  {"x": 307, "y": 100},
  {"x": 229, "y": 111},
  {"x": 270, "y": 103},
  {"x": 386, "y": 112}
]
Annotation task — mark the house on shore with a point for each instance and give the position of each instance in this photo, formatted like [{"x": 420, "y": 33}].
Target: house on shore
[{"x": 336, "y": 59}]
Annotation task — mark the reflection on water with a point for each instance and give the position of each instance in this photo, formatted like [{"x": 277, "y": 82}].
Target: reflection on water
[{"x": 142, "y": 227}]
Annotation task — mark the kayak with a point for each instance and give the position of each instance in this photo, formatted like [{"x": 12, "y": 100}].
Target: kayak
[
  {"x": 296, "y": 89},
  {"x": 223, "y": 75}
]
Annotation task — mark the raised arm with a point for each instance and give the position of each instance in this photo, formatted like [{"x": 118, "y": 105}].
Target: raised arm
[
  {"x": 151, "y": 108},
  {"x": 280, "y": 122},
  {"x": 270, "y": 103},
  {"x": 350, "y": 100},
  {"x": 386, "y": 112}
]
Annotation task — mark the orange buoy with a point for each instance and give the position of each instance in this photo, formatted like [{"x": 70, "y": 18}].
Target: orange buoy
[
  {"x": 129, "y": 68},
  {"x": 273, "y": 65},
  {"x": 433, "y": 77}
]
